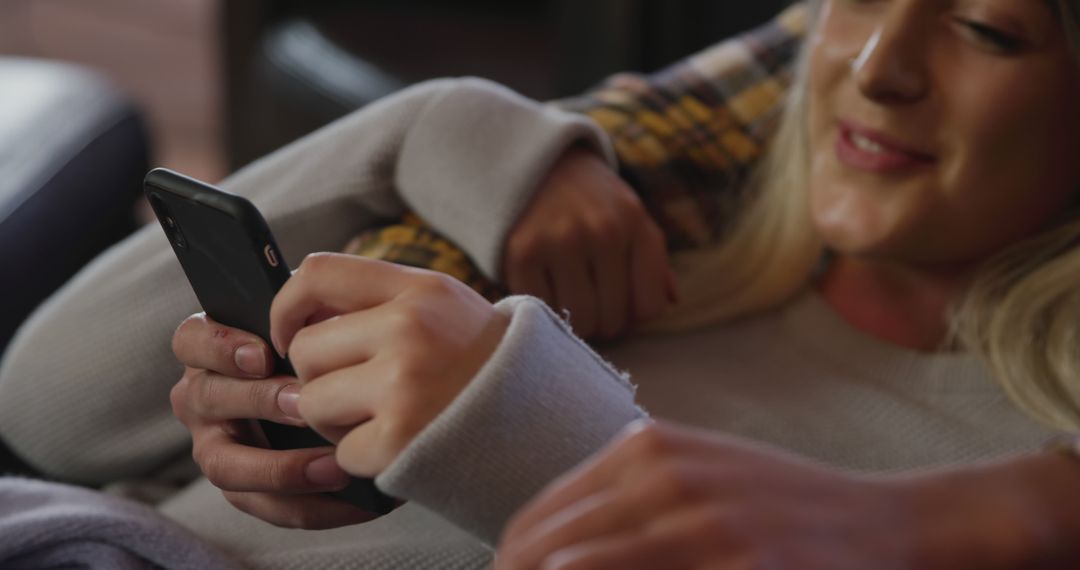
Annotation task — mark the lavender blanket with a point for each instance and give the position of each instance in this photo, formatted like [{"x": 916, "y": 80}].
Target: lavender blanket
[{"x": 46, "y": 525}]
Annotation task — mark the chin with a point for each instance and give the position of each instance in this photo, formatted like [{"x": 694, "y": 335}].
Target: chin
[
  {"x": 875, "y": 243},
  {"x": 848, "y": 227},
  {"x": 858, "y": 221}
]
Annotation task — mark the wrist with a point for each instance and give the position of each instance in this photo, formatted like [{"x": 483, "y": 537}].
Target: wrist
[
  {"x": 1052, "y": 478},
  {"x": 1017, "y": 513}
]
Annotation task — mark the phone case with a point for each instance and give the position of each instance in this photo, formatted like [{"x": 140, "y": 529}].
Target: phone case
[{"x": 235, "y": 268}]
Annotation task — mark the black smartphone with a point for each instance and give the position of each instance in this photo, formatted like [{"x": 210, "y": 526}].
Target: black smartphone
[{"x": 235, "y": 267}]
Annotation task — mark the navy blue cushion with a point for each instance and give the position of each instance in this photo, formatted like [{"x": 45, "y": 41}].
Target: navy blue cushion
[{"x": 72, "y": 154}]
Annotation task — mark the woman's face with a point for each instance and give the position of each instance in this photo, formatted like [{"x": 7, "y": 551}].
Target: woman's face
[{"x": 940, "y": 130}]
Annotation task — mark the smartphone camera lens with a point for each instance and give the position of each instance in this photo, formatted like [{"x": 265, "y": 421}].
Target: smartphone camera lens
[
  {"x": 175, "y": 234},
  {"x": 172, "y": 229}
]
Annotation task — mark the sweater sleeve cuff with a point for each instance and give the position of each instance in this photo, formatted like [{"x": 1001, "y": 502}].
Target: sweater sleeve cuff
[
  {"x": 476, "y": 155},
  {"x": 541, "y": 404}
]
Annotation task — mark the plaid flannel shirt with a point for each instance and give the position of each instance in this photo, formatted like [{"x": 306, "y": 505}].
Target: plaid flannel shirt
[{"x": 686, "y": 137}]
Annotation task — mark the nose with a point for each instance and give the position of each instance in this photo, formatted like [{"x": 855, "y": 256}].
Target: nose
[{"x": 892, "y": 67}]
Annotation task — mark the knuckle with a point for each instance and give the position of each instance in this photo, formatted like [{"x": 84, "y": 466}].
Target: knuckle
[
  {"x": 438, "y": 284},
  {"x": 405, "y": 319},
  {"x": 523, "y": 249},
  {"x": 313, "y": 263},
  {"x": 212, "y": 464},
  {"x": 293, "y": 517},
  {"x": 281, "y": 476},
  {"x": 608, "y": 230},
  {"x": 179, "y": 395},
  {"x": 262, "y": 397},
  {"x": 568, "y": 231},
  {"x": 205, "y": 396},
  {"x": 410, "y": 321},
  {"x": 300, "y": 348},
  {"x": 298, "y": 517},
  {"x": 396, "y": 439},
  {"x": 670, "y": 481},
  {"x": 239, "y": 502},
  {"x": 404, "y": 380},
  {"x": 650, "y": 441},
  {"x": 395, "y": 434}
]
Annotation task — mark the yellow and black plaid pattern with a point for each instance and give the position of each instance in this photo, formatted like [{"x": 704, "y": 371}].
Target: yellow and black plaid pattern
[
  {"x": 412, "y": 242},
  {"x": 686, "y": 137}
]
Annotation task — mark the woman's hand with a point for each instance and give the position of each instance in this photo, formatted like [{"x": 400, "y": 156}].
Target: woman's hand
[
  {"x": 380, "y": 349},
  {"x": 225, "y": 385},
  {"x": 670, "y": 497},
  {"x": 587, "y": 245}
]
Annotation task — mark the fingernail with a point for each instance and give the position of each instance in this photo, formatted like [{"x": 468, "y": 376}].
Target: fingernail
[
  {"x": 251, "y": 359},
  {"x": 325, "y": 472},
  {"x": 277, "y": 346},
  {"x": 288, "y": 400}
]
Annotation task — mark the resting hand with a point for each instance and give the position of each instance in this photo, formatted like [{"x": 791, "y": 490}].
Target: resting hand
[
  {"x": 669, "y": 497},
  {"x": 225, "y": 384},
  {"x": 380, "y": 349},
  {"x": 587, "y": 245}
]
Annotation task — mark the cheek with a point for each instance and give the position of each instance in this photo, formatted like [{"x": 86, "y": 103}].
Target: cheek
[
  {"x": 851, "y": 211},
  {"x": 1016, "y": 165}
]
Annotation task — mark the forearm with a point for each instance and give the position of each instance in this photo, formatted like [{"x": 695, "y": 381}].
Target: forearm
[
  {"x": 84, "y": 386},
  {"x": 685, "y": 138},
  {"x": 541, "y": 404},
  {"x": 688, "y": 137},
  {"x": 1017, "y": 513},
  {"x": 476, "y": 156}
]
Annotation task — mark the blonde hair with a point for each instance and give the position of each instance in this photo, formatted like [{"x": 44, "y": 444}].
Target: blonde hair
[
  {"x": 773, "y": 248},
  {"x": 1021, "y": 316}
]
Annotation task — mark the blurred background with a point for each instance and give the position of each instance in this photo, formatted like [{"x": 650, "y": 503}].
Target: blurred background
[
  {"x": 95, "y": 92},
  {"x": 220, "y": 82}
]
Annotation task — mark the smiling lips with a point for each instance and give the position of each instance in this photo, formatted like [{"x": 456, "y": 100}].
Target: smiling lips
[{"x": 871, "y": 151}]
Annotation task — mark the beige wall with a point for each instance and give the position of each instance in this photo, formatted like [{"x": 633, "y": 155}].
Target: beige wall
[{"x": 164, "y": 53}]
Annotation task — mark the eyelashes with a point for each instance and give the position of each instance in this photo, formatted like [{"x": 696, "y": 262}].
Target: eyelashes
[
  {"x": 989, "y": 36},
  {"x": 985, "y": 36}
]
